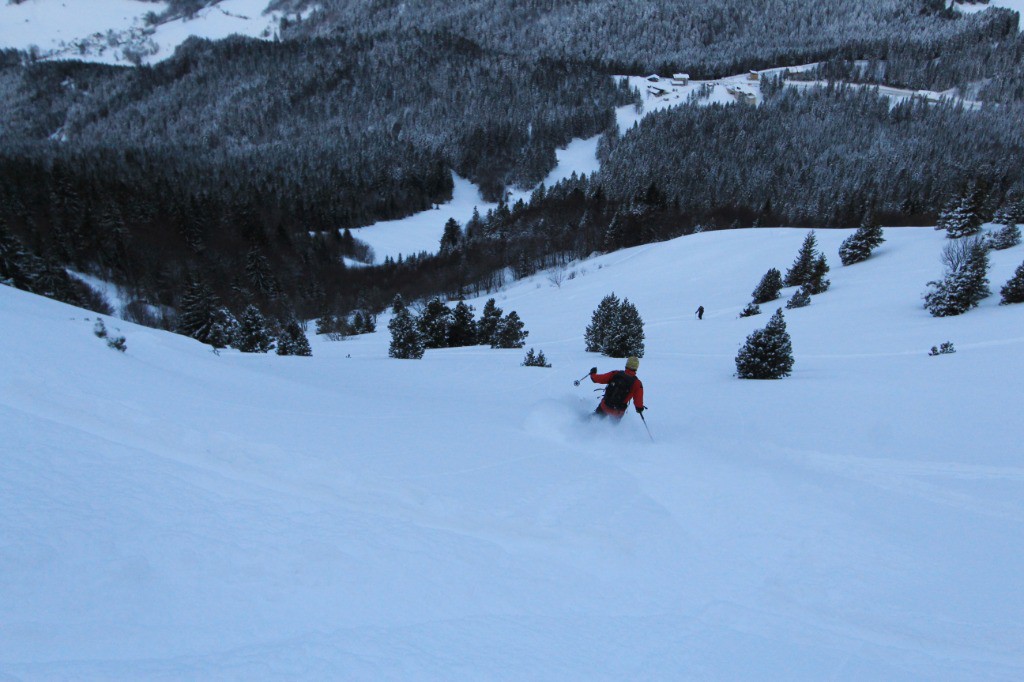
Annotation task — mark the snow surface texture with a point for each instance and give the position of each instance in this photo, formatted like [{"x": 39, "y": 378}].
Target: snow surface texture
[
  {"x": 101, "y": 30},
  {"x": 168, "y": 513}
]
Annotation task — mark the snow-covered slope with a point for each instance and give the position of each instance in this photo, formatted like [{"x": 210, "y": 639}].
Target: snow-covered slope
[
  {"x": 111, "y": 31},
  {"x": 168, "y": 513}
]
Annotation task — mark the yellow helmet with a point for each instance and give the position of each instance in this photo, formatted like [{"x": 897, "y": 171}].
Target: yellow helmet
[{"x": 633, "y": 363}]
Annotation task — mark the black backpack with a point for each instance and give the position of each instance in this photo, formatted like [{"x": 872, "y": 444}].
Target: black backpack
[{"x": 618, "y": 390}]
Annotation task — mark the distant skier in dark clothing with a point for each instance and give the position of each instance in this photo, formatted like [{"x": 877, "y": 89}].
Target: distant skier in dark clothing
[
  {"x": 700, "y": 312},
  {"x": 623, "y": 386}
]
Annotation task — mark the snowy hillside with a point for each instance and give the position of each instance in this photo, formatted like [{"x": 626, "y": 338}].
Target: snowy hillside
[
  {"x": 169, "y": 513},
  {"x": 110, "y": 31}
]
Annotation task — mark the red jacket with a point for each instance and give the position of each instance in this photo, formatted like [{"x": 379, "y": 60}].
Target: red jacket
[{"x": 636, "y": 392}]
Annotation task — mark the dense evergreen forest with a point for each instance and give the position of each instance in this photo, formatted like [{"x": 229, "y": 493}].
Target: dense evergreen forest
[{"x": 237, "y": 164}]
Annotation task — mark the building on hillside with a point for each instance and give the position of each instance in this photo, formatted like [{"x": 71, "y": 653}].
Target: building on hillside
[
  {"x": 753, "y": 76},
  {"x": 654, "y": 78},
  {"x": 657, "y": 90},
  {"x": 680, "y": 78}
]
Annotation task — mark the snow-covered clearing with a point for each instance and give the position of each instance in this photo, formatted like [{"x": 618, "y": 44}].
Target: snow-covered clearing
[
  {"x": 100, "y": 30},
  {"x": 1015, "y": 5},
  {"x": 169, "y": 513}
]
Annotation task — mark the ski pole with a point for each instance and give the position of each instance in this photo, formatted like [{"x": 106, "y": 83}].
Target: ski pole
[
  {"x": 577, "y": 382},
  {"x": 644, "y": 419}
]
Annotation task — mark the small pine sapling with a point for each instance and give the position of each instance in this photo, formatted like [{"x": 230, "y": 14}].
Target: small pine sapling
[
  {"x": 750, "y": 310},
  {"x": 800, "y": 298},
  {"x": 535, "y": 360},
  {"x": 943, "y": 349}
]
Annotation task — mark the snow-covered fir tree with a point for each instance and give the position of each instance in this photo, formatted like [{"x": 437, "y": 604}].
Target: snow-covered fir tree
[
  {"x": 292, "y": 340},
  {"x": 1013, "y": 290},
  {"x": 451, "y": 238},
  {"x": 253, "y": 334},
  {"x": 965, "y": 283},
  {"x": 816, "y": 281},
  {"x": 603, "y": 318},
  {"x": 803, "y": 267},
  {"x": 510, "y": 332},
  {"x": 434, "y": 323},
  {"x": 750, "y": 310},
  {"x": 961, "y": 216},
  {"x": 767, "y": 353},
  {"x": 1005, "y": 237},
  {"x": 490, "y": 316},
  {"x": 800, "y": 298},
  {"x": 769, "y": 287},
  {"x": 626, "y": 336},
  {"x": 197, "y": 311},
  {"x": 462, "y": 329},
  {"x": 858, "y": 246},
  {"x": 406, "y": 342},
  {"x": 223, "y": 329}
]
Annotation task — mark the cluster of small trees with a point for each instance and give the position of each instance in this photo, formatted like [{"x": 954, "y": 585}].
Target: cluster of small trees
[
  {"x": 807, "y": 272},
  {"x": 202, "y": 317},
  {"x": 439, "y": 326},
  {"x": 616, "y": 329},
  {"x": 336, "y": 327},
  {"x": 965, "y": 281}
]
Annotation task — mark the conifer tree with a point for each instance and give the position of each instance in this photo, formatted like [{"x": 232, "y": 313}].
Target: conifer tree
[
  {"x": 535, "y": 360},
  {"x": 197, "y": 311},
  {"x": 961, "y": 216},
  {"x": 462, "y": 331},
  {"x": 816, "y": 282},
  {"x": 292, "y": 340},
  {"x": 626, "y": 335},
  {"x": 965, "y": 283},
  {"x": 451, "y": 239},
  {"x": 358, "y": 322},
  {"x": 1013, "y": 290},
  {"x": 769, "y": 287},
  {"x": 406, "y": 342},
  {"x": 223, "y": 329},
  {"x": 434, "y": 324},
  {"x": 859, "y": 245},
  {"x": 253, "y": 334},
  {"x": 767, "y": 353},
  {"x": 1005, "y": 237},
  {"x": 15, "y": 263},
  {"x": 510, "y": 332},
  {"x": 803, "y": 267},
  {"x": 750, "y": 310},
  {"x": 800, "y": 298},
  {"x": 490, "y": 316},
  {"x": 603, "y": 318},
  {"x": 260, "y": 274}
]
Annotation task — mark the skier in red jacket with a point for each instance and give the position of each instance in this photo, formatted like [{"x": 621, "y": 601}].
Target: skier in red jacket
[{"x": 623, "y": 386}]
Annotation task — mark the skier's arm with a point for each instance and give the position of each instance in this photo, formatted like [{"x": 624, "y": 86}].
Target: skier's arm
[
  {"x": 638, "y": 395},
  {"x": 601, "y": 378}
]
